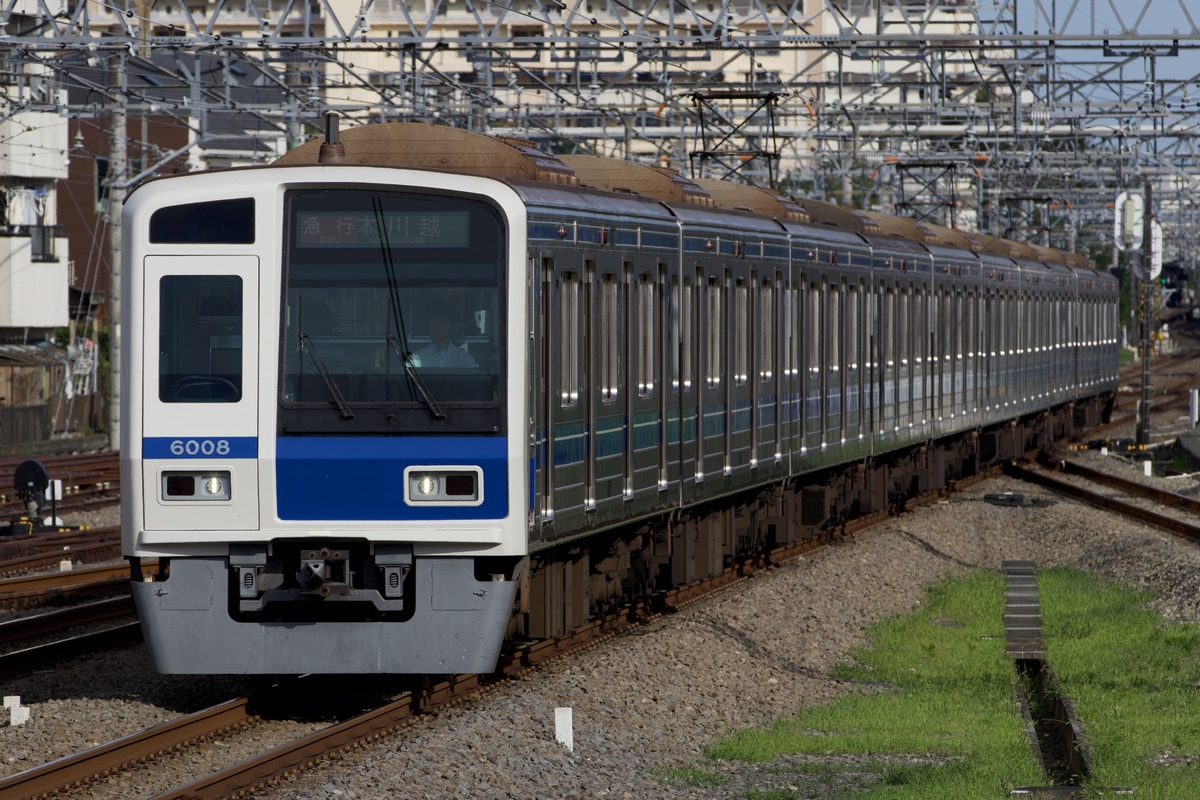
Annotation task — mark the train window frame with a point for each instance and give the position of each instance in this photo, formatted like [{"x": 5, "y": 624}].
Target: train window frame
[
  {"x": 791, "y": 317},
  {"x": 189, "y": 304},
  {"x": 769, "y": 334},
  {"x": 716, "y": 323},
  {"x": 835, "y": 296},
  {"x": 569, "y": 341},
  {"x": 647, "y": 326},
  {"x": 853, "y": 312},
  {"x": 610, "y": 339},
  {"x": 812, "y": 341},
  {"x": 458, "y": 265},
  {"x": 741, "y": 332},
  {"x": 683, "y": 328}
]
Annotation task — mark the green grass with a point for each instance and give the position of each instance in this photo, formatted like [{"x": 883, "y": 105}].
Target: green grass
[
  {"x": 1133, "y": 680},
  {"x": 938, "y": 684},
  {"x": 689, "y": 776}
]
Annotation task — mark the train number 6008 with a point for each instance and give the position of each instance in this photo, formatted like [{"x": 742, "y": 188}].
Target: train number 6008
[{"x": 200, "y": 447}]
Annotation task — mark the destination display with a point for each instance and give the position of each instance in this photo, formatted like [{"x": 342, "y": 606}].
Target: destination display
[{"x": 400, "y": 229}]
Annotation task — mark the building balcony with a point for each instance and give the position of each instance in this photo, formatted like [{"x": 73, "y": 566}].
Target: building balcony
[
  {"x": 34, "y": 291},
  {"x": 43, "y": 247}
]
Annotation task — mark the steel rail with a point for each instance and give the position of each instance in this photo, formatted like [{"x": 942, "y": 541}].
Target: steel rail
[
  {"x": 69, "y": 770},
  {"x": 1131, "y": 510},
  {"x": 14, "y": 630},
  {"x": 26, "y": 586},
  {"x": 43, "y": 654},
  {"x": 1161, "y": 496}
]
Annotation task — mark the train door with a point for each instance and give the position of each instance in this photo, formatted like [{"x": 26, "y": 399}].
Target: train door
[
  {"x": 889, "y": 397},
  {"x": 853, "y": 373},
  {"x": 682, "y": 421},
  {"x": 736, "y": 385},
  {"x": 712, "y": 387},
  {"x": 789, "y": 382},
  {"x": 587, "y": 391},
  {"x": 704, "y": 323},
  {"x": 749, "y": 313},
  {"x": 634, "y": 312},
  {"x": 200, "y": 393},
  {"x": 835, "y": 388},
  {"x": 546, "y": 390},
  {"x": 645, "y": 455},
  {"x": 769, "y": 372},
  {"x": 662, "y": 305},
  {"x": 814, "y": 381}
]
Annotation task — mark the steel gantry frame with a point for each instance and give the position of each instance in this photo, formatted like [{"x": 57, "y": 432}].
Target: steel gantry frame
[{"x": 960, "y": 109}]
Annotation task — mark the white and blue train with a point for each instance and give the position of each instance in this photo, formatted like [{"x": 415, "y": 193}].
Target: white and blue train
[{"x": 395, "y": 399}]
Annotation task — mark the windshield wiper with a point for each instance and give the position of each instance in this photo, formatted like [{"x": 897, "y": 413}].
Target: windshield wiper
[
  {"x": 416, "y": 378},
  {"x": 310, "y": 347}
]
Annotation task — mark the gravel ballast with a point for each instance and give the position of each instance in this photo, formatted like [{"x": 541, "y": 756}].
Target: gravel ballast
[{"x": 649, "y": 702}]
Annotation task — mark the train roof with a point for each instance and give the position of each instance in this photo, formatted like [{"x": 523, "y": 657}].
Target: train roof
[
  {"x": 416, "y": 145},
  {"x": 740, "y": 197},
  {"x": 836, "y": 216},
  {"x": 903, "y": 227},
  {"x": 419, "y": 145},
  {"x": 614, "y": 175}
]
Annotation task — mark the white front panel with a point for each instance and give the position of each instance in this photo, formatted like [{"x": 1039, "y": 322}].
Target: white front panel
[{"x": 200, "y": 393}]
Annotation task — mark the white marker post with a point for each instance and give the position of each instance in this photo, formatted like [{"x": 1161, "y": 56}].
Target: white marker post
[{"x": 563, "y": 731}]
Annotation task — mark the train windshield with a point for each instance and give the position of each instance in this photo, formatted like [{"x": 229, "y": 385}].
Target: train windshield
[{"x": 392, "y": 312}]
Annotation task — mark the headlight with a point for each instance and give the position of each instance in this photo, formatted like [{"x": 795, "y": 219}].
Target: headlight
[
  {"x": 443, "y": 486},
  {"x": 178, "y": 486}
]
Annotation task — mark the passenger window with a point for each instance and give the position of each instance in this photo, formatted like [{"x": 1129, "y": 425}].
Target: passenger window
[
  {"x": 569, "y": 339},
  {"x": 716, "y": 333},
  {"x": 647, "y": 334},
  {"x": 611, "y": 338},
  {"x": 200, "y": 339},
  {"x": 741, "y": 333},
  {"x": 767, "y": 332}
]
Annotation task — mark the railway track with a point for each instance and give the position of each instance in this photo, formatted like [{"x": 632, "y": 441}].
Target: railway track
[
  {"x": 428, "y": 700},
  {"x": 1172, "y": 378},
  {"x": 72, "y": 585},
  {"x": 1166, "y": 518},
  {"x": 410, "y": 706},
  {"x": 80, "y": 589}
]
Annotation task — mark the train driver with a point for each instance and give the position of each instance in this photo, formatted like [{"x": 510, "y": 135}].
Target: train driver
[{"x": 441, "y": 352}]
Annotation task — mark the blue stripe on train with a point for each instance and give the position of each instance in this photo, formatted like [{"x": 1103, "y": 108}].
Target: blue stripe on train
[{"x": 358, "y": 478}]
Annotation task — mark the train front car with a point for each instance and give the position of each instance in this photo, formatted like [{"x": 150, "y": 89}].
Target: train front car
[{"x": 322, "y": 443}]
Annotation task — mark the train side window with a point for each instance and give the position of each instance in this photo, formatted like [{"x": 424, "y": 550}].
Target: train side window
[
  {"x": 200, "y": 339},
  {"x": 647, "y": 326},
  {"x": 834, "y": 326},
  {"x": 889, "y": 332},
  {"x": 610, "y": 338},
  {"x": 569, "y": 338},
  {"x": 812, "y": 342},
  {"x": 684, "y": 327},
  {"x": 852, "y": 324},
  {"x": 715, "y": 330},
  {"x": 767, "y": 332},
  {"x": 791, "y": 336},
  {"x": 741, "y": 333}
]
